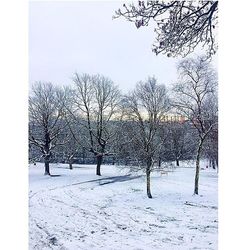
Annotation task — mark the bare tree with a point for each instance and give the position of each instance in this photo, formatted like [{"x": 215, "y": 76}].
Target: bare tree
[
  {"x": 181, "y": 25},
  {"x": 178, "y": 140},
  {"x": 70, "y": 148},
  {"x": 46, "y": 119},
  {"x": 196, "y": 98},
  {"x": 95, "y": 104},
  {"x": 144, "y": 109},
  {"x": 211, "y": 148}
]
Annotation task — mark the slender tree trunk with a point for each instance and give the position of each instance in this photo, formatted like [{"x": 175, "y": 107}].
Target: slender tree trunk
[
  {"x": 46, "y": 164},
  {"x": 177, "y": 162},
  {"x": 148, "y": 183},
  {"x": 197, "y": 171},
  {"x": 83, "y": 156},
  {"x": 99, "y": 163},
  {"x": 159, "y": 162},
  {"x": 216, "y": 160},
  {"x": 70, "y": 166},
  {"x": 217, "y": 163},
  {"x": 148, "y": 169},
  {"x": 213, "y": 164},
  {"x": 70, "y": 162},
  {"x": 47, "y": 155}
]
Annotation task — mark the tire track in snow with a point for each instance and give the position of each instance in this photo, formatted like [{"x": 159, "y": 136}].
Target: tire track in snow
[{"x": 43, "y": 196}]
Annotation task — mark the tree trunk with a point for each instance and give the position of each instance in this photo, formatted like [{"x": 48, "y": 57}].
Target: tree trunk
[
  {"x": 46, "y": 163},
  {"x": 217, "y": 163},
  {"x": 159, "y": 162},
  {"x": 70, "y": 162},
  {"x": 210, "y": 162},
  {"x": 83, "y": 157},
  {"x": 213, "y": 164},
  {"x": 177, "y": 162},
  {"x": 148, "y": 169},
  {"x": 70, "y": 165},
  {"x": 99, "y": 163},
  {"x": 47, "y": 153},
  {"x": 216, "y": 160},
  {"x": 197, "y": 171},
  {"x": 148, "y": 183}
]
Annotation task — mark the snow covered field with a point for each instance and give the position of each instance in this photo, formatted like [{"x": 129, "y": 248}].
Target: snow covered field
[{"x": 78, "y": 210}]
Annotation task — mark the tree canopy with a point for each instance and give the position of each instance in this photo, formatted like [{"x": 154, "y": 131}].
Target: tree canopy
[{"x": 181, "y": 25}]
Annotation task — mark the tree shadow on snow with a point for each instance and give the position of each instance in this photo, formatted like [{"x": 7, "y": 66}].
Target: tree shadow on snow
[
  {"x": 55, "y": 175},
  {"x": 117, "y": 179}
]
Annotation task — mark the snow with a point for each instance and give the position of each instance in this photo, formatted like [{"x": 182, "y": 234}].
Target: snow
[{"x": 75, "y": 209}]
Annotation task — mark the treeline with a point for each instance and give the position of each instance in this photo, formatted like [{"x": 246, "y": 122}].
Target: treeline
[{"x": 93, "y": 122}]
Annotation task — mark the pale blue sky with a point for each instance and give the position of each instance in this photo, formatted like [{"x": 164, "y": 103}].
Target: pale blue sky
[{"x": 65, "y": 37}]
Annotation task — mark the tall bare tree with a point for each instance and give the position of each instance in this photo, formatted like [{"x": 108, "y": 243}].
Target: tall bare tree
[
  {"x": 181, "y": 25},
  {"x": 46, "y": 119},
  {"x": 70, "y": 148},
  {"x": 178, "y": 140},
  {"x": 211, "y": 147},
  {"x": 144, "y": 109},
  {"x": 196, "y": 99},
  {"x": 95, "y": 104}
]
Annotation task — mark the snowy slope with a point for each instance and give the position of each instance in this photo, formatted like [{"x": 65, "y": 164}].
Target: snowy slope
[{"x": 78, "y": 210}]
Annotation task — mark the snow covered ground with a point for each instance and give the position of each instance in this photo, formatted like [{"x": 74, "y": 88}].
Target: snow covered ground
[{"x": 78, "y": 210}]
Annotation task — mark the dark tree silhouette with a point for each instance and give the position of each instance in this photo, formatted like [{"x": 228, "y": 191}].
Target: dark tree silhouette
[
  {"x": 95, "y": 104},
  {"x": 46, "y": 119},
  {"x": 181, "y": 25}
]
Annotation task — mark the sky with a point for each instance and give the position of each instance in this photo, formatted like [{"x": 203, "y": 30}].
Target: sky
[{"x": 69, "y": 37}]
